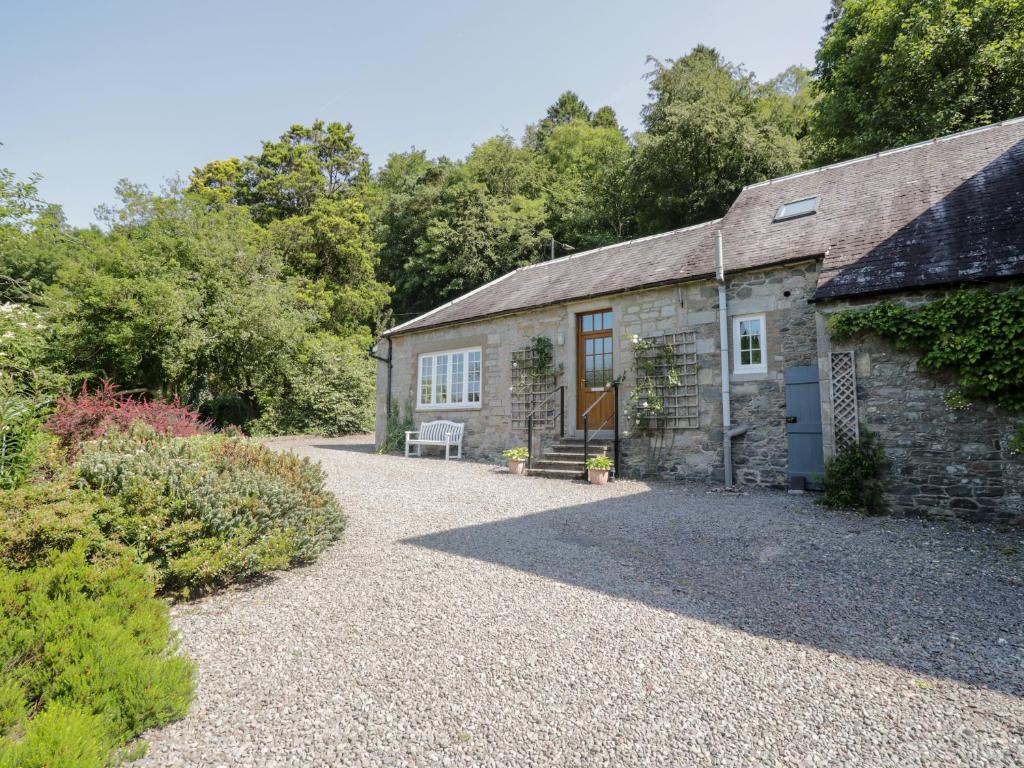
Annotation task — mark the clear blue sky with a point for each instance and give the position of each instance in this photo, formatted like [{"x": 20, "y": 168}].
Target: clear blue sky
[{"x": 96, "y": 91}]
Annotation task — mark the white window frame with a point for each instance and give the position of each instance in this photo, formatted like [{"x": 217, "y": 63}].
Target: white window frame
[
  {"x": 739, "y": 367},
  {"x": 463, "y": 405}
]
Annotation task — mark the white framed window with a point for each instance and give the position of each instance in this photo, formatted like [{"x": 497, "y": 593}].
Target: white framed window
[
  {"x": 450, "y": 379},
  {"x": 749, "y": 339}
]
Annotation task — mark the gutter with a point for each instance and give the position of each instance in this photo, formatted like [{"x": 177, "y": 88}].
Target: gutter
[
  {"x": 723, "y": 328},
  {"x": 389, "y": 361}
]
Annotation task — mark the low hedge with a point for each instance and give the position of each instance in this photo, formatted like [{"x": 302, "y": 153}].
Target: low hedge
[
  {"x": 88, "y": 662},
  {"x": 207, "y": 511}
]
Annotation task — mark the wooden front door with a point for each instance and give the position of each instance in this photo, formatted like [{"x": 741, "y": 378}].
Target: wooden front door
[{"x": 594, "y": 368}]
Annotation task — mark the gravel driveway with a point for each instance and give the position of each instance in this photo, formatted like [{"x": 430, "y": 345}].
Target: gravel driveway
[{"x": 473, "y": 618}]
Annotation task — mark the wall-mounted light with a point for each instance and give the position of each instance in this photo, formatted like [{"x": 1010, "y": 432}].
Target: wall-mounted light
[{"x": 561, "y": 339}]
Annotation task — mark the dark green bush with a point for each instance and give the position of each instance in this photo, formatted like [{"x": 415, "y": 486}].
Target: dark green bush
[
  {"x": 230, "y": 409},
  {"x": 853, "y": 477},
  {"x": 207, "y": 511},
  {"x": 328, "y": 390},
  {"x": 87, "y": 660}
]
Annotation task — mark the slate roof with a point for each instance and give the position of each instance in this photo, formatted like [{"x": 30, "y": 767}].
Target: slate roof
[
  {"x": 647, "y": 262},
  {"x": 947, "y": 211},
  {"x": 942, "y": 212}
]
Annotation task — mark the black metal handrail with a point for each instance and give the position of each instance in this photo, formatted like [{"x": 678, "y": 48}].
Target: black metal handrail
[
  {"x": 529, "y": 421},
  {"x": 586, "y": 429}
]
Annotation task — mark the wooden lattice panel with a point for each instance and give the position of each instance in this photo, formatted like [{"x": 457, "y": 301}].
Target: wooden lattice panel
[
  {"x": 532, "y": 394},
  {"x": 681, "y": 401},
  {"x": 845, "y": 424}
]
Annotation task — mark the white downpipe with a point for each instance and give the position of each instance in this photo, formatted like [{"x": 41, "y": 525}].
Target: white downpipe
[{"x": 723, "y": 325}]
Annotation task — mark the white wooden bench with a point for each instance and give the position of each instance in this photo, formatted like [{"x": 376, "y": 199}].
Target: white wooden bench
[{"x": 439, "y": 433}]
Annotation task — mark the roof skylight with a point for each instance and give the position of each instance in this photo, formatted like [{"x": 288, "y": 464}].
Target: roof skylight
[{"x": 797, "y": 208}]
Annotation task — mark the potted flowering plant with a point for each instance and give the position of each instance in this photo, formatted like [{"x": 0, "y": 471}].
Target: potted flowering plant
[
  {"x": 598, "y": 468},
  {"x": 516, "y": 459}
]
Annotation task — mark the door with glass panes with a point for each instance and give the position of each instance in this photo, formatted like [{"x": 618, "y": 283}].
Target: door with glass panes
[{"x": 594, "y": 369}]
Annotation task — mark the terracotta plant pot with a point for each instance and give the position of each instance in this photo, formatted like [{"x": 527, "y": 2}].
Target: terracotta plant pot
[
  {"x": 516, "y": 466},
  {"x": 597, "y": 476}
]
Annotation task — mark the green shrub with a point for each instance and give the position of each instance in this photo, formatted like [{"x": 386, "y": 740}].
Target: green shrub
[
  {"x": 20, "y": 419},
  {"x": 853, "y": 477},
  {"x": 25, "y": 347},
  {"x": 516, "y": 454},
  {"x": 599, "y": 462},
  {"x": 88, "y": 661},
  {"x": 207, "y": 511},
  {"x": 229, "y": 409},
  {"x": 399, "y": 422},
  {"x": 328, "y": 390},
  {"x": 42, "y": 518}
]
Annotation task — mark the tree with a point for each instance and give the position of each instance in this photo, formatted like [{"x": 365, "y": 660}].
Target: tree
[
  {"x": 588, "y": 199},
  {"x": 787, "y": 100},
  {"x": 506, "y": 168},
  {"x": 471, "y": 237},
  {"x": 401, "y": 199},
  {"x": 567, "y": 108},
  {"x": 31, "y": 255},
  {"x": 189, "y": 302},
  {"x": 708, "y": 133},
  {"x": 333, "y": 246},
  {"x": 892, "y": 72},
  {"x": 605, "y": 117},
  {"x": 310, "y": 188},
  {"x": 290, "y": 174}
]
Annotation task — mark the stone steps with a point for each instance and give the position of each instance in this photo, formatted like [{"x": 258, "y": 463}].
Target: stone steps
[{"x": 564, "y": 460}]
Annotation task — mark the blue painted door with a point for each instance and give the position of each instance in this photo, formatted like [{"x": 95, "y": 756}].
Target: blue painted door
[{"x": 803, "y": 426}]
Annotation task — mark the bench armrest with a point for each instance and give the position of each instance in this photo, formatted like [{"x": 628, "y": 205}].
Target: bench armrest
[{"x": 410, "y": 434}]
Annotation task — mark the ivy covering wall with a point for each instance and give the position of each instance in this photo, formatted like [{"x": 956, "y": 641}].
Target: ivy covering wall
[{"x": 979, "y": 334}]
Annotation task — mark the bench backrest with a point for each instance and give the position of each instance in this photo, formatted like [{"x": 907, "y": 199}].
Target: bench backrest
[{"x": 436, "y": 430}]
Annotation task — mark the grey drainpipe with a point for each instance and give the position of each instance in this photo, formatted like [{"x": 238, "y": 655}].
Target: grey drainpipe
[
  {"x": 723, "y": 327},
  {"x": 387, "y": 360}
]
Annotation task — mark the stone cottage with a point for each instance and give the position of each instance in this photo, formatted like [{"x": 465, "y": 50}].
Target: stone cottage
[{"x": 706, "y": 350}]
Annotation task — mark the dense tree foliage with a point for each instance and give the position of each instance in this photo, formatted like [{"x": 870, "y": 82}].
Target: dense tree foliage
[
  {"x": 246, "y": 312},
  {"x": 892, "y": 72},
  {"x": 709, "y": 131}
]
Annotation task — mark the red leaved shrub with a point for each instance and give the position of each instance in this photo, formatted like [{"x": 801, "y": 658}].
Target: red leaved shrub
[{"x": 92, "y": 413}]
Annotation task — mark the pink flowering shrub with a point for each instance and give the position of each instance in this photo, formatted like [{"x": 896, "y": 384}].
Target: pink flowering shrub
[{"x": 91, "y": 414}]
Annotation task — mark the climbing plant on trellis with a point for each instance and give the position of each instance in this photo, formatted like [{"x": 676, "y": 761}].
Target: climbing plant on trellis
[
  {"x": 666, "y": 396},
  {"x": 534, "y": 377}
]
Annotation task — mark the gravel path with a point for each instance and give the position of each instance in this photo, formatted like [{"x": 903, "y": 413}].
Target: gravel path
[{"x": 472, "y": 618}]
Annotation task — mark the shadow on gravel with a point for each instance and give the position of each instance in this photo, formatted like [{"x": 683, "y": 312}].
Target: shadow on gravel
[
  {"x": 350, "y": 447},
  {"x": 903, "y": 593}
]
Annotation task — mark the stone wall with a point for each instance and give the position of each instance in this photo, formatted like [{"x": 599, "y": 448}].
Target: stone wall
[
  {"x": 760, "y": 457},
  {"x": 758, "y": 400},
  {"x": 941, "y": 461}
]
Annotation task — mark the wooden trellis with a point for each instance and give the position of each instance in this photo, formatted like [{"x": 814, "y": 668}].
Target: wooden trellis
[
  {"x": 680, "y": 399},
  {"x": 845, "y": 424},
  {"x": 530, "y": 390}
]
